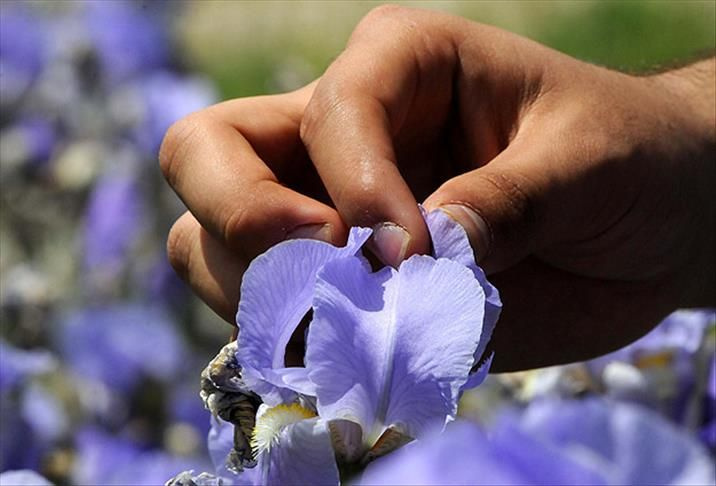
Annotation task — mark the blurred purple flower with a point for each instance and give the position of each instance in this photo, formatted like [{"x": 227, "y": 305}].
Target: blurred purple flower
[
  {"x": 659, "y": 370},
  {"x": 164, "y": 98},
  {"x": 19, "y": 447},
  {"x": 708, "y": 431},
  {"x": 44, "y": 413},
  {"x": 128, "y": 40},
  {"x": 553, "y": 442},
  {"x": 114, "y": 220},
  {"x": 464, "y": 454},
  {"x": 682, "y": 330},
  {"x": 17, "y": 364},
  {"x": 22, "y": 53},
  {"x": 161, "y": 284},
  {"x": 30, "y": 140},
  {"x": 120, "y": 344},
  {"x": 628, "y": 444},
  {"x": 110, "y": 460},
  {"x": 711, "y": 384},
  {"x": 24, "y": 477},
  {"x": 185, "y": 408},
  {"x": 221, "y": 441}
]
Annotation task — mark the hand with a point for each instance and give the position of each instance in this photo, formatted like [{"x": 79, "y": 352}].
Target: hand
[{"x": 586, "y": 193}]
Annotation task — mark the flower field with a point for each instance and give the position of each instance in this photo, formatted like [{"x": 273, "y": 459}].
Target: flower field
[{"x": 102, "y": 346}]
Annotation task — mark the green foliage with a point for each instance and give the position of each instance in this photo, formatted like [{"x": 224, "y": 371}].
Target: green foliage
[
  {"x": 248, "y": 47},
  {"x": 633, "y": 35}
]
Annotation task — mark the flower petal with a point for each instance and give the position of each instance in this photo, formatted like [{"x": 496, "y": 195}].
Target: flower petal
[
  {"x": 276, "y": 293},
  {"x": 23, "y": 477},
  {"x": 393, "y": 348},
  {"x": 220, "y": 442},
  {"x": 629, "y": 443},
  {"x": 450, "y": 241},
  {"x": 464, "y": 454},
  {"x": 302, "y": 455}
]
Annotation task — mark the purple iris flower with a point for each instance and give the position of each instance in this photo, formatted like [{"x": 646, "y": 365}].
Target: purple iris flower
[
  {"x": 593, "y": 442},
  {"x": 20, "y": 445},
  {"x": 31, "y": 140},
  {"x": 387, "y": 356},
  {"x": 22, "y": 50},
  {"x": 128, "y": 40},
  {"x": 165, "y": 98},
  {"x": 708, "y": 431},
  {"x": 113, "y": 222},
  {"x": 44, "y": 413},
  {"x": 17, "y": 364},
  {"x": 120, "y": 344},
  {"x": 23, "y": 477},
  {"x": 106, "y": 459},
  {"x": 660, "y": 369}
]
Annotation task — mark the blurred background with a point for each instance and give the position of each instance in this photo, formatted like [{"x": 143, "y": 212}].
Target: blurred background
[{"x": 101, "y": 346}]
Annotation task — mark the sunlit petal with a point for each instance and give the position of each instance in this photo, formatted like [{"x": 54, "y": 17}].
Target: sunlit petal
[
  {"x": 450, "y": 241},
  {"x": 276, "y": 293},
  {"x": 301, "y": 453},
  {"x": 393, "y": 347}
]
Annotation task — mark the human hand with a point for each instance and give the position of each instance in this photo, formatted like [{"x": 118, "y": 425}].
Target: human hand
[{"x": 585, "y": 192}]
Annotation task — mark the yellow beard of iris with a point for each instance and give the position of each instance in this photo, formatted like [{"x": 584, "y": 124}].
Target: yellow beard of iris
[{"x": 272, "y": 422}]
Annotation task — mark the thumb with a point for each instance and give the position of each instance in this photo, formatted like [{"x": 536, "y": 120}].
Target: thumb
[{"x": 501, "y": 206}]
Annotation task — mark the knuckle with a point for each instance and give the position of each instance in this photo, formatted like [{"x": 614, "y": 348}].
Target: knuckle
[
  {"x": 235, "y": 225},
  {"x": 329, "y": 100},
  {"x": 179, "y": 248},
  {"x": 176, "y": 143},
  {"x": 243, "y": 220},
  {"x": 385, "y": 11},
  {"x": 382, "y": 19},
  {"x": 309, "y": 122}
]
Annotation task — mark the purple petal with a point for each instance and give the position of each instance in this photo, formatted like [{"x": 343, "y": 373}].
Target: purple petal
[
  {"x": 450, "y": 241},
  {"x": 628, "y": 443},
  {"x": 711, "y": 386},
  {"x": 120, "y": 344},
  {"x": 127, "y": 40},
  {"x": 302, "y": 455},
  {"x": 44, "y": 413},
  {"x": 102, "y": 458},
  {"x": 465, "y": 455},
  {"x": 113, "y": 222},
  {"x": 276, "y": 293},
  {"x": 22, "y": 50},
  {"x": 220, "y": 441},
  {"x": 393, "y": 348},
  {"x": 23, "y": 477},
  {"x": 293, "y": 378},
  {"x": 16, "y": 364},
  {"x": 167, "y": 97}
]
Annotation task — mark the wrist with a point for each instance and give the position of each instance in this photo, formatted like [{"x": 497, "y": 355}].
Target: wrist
[
  {"x": 691, "y": 101},
  {"x": 691, "y": 92}
]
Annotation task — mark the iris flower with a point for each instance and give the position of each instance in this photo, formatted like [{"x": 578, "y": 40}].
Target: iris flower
[
  {"x": 388, "y": 353},
  {"x": 591, "y": 441}
]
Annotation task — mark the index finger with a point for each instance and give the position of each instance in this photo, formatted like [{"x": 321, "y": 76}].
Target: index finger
[{"x": 362, "y": 102}]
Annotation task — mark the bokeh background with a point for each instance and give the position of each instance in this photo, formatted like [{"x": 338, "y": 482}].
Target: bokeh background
[{"x": 100, "y": 344}]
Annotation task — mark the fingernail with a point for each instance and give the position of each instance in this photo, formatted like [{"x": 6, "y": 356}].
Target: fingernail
[
  {"x": 477, "y": 230},
  {"x": 319, "y": 231},
  {"x": 389, "y": 243}
]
